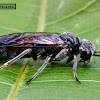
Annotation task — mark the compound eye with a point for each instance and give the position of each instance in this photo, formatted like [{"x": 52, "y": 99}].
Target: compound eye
[{"x": 86, "y": 54}]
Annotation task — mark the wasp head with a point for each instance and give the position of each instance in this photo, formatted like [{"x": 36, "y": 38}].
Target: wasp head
[{"x": 87, "y": 50}]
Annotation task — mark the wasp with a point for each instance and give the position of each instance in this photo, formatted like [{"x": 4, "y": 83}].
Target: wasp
[{"x": 49, "y": 46}]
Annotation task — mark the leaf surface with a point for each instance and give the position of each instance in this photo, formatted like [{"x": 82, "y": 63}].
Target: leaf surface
[{"x": 56, "y": 82}]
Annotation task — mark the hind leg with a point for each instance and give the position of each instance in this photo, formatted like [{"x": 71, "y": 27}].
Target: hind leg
[{"x": 16, "y": 58}]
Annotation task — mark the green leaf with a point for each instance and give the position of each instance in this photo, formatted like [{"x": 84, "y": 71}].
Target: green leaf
[{"x": 56, "y": 82}]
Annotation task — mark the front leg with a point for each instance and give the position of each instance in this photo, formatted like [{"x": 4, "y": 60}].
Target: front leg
[{"x": 74, "y": 69}]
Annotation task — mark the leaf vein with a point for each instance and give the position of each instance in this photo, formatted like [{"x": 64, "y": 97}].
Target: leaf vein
[
  {"x": 73, "y": 14},
  {"x": 41, "y": 18}
]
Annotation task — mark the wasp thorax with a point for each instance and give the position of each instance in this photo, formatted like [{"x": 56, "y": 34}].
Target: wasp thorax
[{"x": 72, "y": 41}]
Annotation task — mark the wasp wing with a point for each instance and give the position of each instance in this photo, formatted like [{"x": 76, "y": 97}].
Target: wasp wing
[
  {"x": 31, "y": 39},
  {"x": 10, "y": 38}
]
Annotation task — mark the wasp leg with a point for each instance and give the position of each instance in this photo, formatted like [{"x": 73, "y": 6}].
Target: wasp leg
[
  {"x": 85, "y": 63},
  {"x": 61, "y": 55},
  {"x": 69, "y": 59},
  {"x": 74, "y": 69},
  {"x": 39, "y": 70},
  {"x": 16, "y": 58}
]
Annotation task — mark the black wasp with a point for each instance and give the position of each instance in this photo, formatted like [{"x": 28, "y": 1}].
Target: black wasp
[{"x": 49, "y": 46}]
